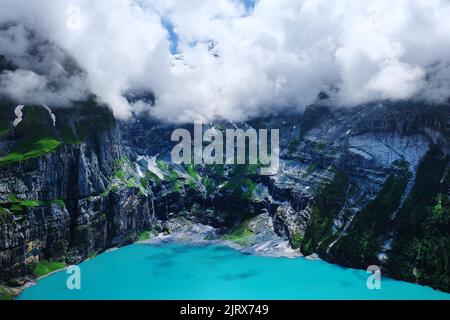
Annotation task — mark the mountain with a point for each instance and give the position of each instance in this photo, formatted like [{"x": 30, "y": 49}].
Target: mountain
[{"x": 358, "y": 186}]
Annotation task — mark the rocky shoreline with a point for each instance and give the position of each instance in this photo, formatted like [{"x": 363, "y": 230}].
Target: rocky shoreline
[
  {"x": 199, "y": 234},
  {"x": 341, "y": 172}
]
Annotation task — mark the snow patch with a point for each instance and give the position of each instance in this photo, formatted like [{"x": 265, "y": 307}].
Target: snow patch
[
  {"x": 387, "y": 148},
  {"x": 139, "y": 171},
  {"x": 19, "y": 115},
  {"x": 150, "y": 165},
  {"x": 52, "y": 115},
  {"x": 361, "y": 153}
]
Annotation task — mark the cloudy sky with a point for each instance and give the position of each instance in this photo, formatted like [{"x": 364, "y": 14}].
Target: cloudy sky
[{"x": 232, "y": 59}]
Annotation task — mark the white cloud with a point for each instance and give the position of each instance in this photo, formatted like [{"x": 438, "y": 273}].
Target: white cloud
[
  {"x": 45, "y": 74},
  {"x": 21, "y": 83},
  {"x": 397, "y": 80},
  {"x": 234, "y": 63}
]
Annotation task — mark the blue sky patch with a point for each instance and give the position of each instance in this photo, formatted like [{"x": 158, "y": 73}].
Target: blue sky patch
[{"x": 173, "y": 37}]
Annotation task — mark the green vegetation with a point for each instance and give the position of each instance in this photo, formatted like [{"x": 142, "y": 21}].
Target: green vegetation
[
  {"x": 192, "y": 171},
  {"x": 177, "y": 186},
  {"x": 4, "y": 215},
  {"x": 177, "y": 181},
  {"x": 65, "y": 124},
  {"x": 307, "y": 248},
  {"x": 328, "y": 204},
  {"x": 241, "y": 233},
  {"x": 18, "y": 206},
  {"x": 144, "y": 182},
  {"x": 209, "y": 184},
  {"x": 216, "y": 170},
  {"x": 34, "y": 136},
  {"x": 240, "y": 183},
  {"x": 366, "y": 235},
  {"x": 310, "y": 169},
  {"x": 162, "y": 165},
  {"x": 6, "y": 293},
  {"x": 134, "y": 183},
  {"x": 319, "y": 146},
  {"x": 120, "y": 174},
  {"x": 68, "y": 134},
  {"x": 101, "y": 218},
  {"x": 28, "y": 149},
  {"x": 193, "y": 181},
  {"x": 125, "y": 176},
  {"x": 169, "y": 174},
  {"x": 421, "y": 247},
  {"x": 242, "y": 188},
  {"x": 5, "y": 128},
  {"x": 83, "y": 121},
  {"x": 95, "y": 118},
  {"x": 310, "y": 118},
  {"x": 144, "y": 236},
  {"x": 45, "y": 267},
  {"x": 293, "y": 146},
  {"x": 244, "y": 170},
  {"x": 59, "y": 202},
  {"x": 296, "y": 240}
]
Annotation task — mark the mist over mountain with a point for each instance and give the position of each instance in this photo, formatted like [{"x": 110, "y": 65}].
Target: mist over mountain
[
  {"x": 92, "y": 94},
  {"x": 229, "y": 59}
]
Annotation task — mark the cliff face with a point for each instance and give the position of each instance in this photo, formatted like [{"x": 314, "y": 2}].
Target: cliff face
[
  {"x": 350, "y": 181},
  {"x": 374, "y": 184},
  {"x": 53, "y": 206}
]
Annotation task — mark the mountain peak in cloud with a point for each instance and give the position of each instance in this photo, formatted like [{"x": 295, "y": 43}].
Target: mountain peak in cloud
[{"x": 228, "y": 59}]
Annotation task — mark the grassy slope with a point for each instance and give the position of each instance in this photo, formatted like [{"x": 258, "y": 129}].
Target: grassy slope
[
  {"x": 45, "y": 267},
  {"x": 421, "y": 247},
  {"x": 6, "y": 293},
  {"x": 241, "y": 233},
  {"x": 327, "y": 205},
  {"x": 35, "y": 136},
  {"x": 366, "y": 234}
]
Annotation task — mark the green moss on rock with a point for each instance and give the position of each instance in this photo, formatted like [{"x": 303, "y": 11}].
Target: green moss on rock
[
  {"x": 6, "y": 293},
  {"x": 145, "y": 235},
  {"x": 241, "y": 233},
  {"x": 45, "y": 267},
  {"x": 421, "y": 246},
  {"x": 367, "y": 232},
  {"x": 327, "y": 204}
]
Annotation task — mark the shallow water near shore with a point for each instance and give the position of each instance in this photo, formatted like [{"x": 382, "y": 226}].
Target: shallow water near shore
[{"x": 179, "y": 271}]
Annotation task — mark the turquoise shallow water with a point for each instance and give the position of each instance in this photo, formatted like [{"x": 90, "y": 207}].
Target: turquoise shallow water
[{"x": 175, "y": 271}]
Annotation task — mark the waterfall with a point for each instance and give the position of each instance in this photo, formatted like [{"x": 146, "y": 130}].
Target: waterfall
[
  {"x": 52, "y": 115},
  {"x": 19, "y": 115}
]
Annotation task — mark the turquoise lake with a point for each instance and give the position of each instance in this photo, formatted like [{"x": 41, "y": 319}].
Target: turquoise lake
[{"x": 176, "y": 271}]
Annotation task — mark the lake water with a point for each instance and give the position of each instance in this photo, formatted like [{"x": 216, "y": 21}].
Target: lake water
[{"x": 176, "y": 271}]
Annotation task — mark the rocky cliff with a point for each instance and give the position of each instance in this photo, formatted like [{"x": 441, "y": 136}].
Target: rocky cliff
[{"x": 361, "y": 186}]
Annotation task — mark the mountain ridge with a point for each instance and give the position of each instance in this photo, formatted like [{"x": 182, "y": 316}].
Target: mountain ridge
[{"x": 94, "y": 190}]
